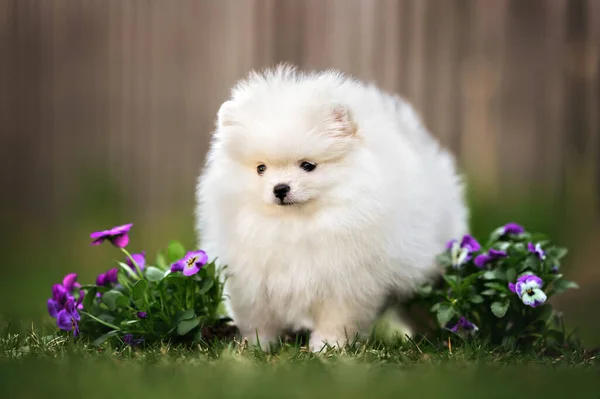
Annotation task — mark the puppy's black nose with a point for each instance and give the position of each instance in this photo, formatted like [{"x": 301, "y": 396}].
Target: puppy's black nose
[{"x": 281, "y": 190}]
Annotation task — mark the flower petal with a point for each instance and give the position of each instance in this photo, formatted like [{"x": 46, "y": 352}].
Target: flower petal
[
  {"x": 117, "y": 235},
  {"x": 481, "y": 260},
  {"x": 120, "y": 240},
  {"x": 496, "y": 253},
  {"x": 120, "y": 229},
  {"x": 533, "y": 281},
  {"x": 463, "y": 257},
  {"x": 513, "y": 228},
  {"x": 191, "y": 270},
  {"x": 140, "y": 259},
  {"x": 511, "y": 287},
  {"x": 539, "y": 296},
  {"x": 112, "y": 276},
  {"x": 64, "y": 321},
  {"x": 528, "y": 299},
  {"x": 101, "y": 279},
  {"x": 470, "y": 243},
  {"x": 177, "y": 266},
  {"x": 69, "y": 281},
  {"x": 100, "y": 234},
  {"x": 53, "y": 307}
]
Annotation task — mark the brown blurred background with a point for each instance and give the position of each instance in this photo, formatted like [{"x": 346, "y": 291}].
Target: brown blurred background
[{"x": 107, "y": 106}]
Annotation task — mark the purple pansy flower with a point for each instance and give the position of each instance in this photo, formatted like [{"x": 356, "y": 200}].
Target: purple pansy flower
[
  {"x": 142, "y": 315},
  {"x": 529, "y": 289},
  {"x": 101, "y": 279},
  {"x": 512, "y": 229},
  {"x": 70, "y": 282},
  {"x": 493, "y": 254},
  {"x": 111, "y": 276},
  {"x": 140, "y": 259},
  {"x": 61, "y": 293},
  {"x": 108, "y": 278},
  {"x": 461, "y": 253},
  {"x": 536, "y": 249},
  {"x": 177, "y": 267},
  {"x": 118, "y": 236},
  {"x": 191, "y": 263},
  {"x": 129, "y": 340},
  {"x": 68, "y": 317},
  {"x": 464, "y": 327},
  {"x": 53, "y": 307}
]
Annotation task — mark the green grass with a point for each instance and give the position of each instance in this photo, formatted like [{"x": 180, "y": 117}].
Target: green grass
[{"x": 36, "y": 366}]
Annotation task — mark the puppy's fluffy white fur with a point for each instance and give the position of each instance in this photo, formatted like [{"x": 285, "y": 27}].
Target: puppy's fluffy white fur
[{"x": 363, "y": 227}]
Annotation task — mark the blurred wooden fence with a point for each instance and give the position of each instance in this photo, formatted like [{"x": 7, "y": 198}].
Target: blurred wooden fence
[{"x": 131, "y": 87}]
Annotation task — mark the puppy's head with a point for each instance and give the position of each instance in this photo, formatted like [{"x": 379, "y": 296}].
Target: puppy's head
[{"x": 288, "y": 149}]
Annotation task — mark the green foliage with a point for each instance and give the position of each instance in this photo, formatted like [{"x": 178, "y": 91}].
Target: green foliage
[
  {"x": 479, "y": 299},
  {"x": 150, "y": 308}
]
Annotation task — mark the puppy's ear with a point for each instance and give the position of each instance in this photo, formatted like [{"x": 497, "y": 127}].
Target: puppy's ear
[
  {"x": 226, "y": 115},
  {"x": 339, "y": 122}
]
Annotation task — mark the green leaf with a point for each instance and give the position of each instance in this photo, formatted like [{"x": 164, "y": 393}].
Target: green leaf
[
  {"x": 101, "y": 339},
  {"x": 425, "y": 289},
  {"x": 517, "y": 249},
  {"x": 187, "y": 315},
  {"x": 497, "y": 286},
  {"x": 139, "y": 290},
  {"x": 161, "y": 261},
  {"x": 104, "y": 319},
  {"x": 123, "y": 280},
  {"x": 544, "y": 313},
  {"x": 444, "y": 259},
  {"x": 175, "y": 251},
  {"x": 499, "y": 308},
  {"x": 451, "y": 280},
  {"x": 435, "y": 307},
  {"x": 88, "y": 299},
  {"x": 468, "y": 282},
  {"x": 154, "y": 274},
  {"x": 128, "y": 270},
  {"x": 511, "y": 275},
  {"x": 562, "y": 285},
  {"x": 488, "y": 292},
  {"x": 444, "y": 314},
  {"x": 531, "y": 263},
  {"x": 489, "y": 275},
  {"x": 112, "y": 299},
  {"x": 559, "y": 252},
  {"x": 476, "y": 299},
  {"x": 185, "y": 326},
  {"x": 122, "y": 302},
  {"x": 210, "y": 269},
  {"x": 207, "y": 284}
]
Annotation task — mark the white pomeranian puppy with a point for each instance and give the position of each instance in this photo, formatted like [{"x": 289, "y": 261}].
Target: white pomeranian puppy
[{"x": 327, "y": 200}]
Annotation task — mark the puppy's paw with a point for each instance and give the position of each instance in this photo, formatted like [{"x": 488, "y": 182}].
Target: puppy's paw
[{"x": 319, "y": 342}]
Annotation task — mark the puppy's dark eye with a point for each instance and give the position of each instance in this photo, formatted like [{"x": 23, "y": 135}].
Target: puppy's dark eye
[
  {"x": 261, "y": 169},
  {"x": 308, "y": 166}
]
